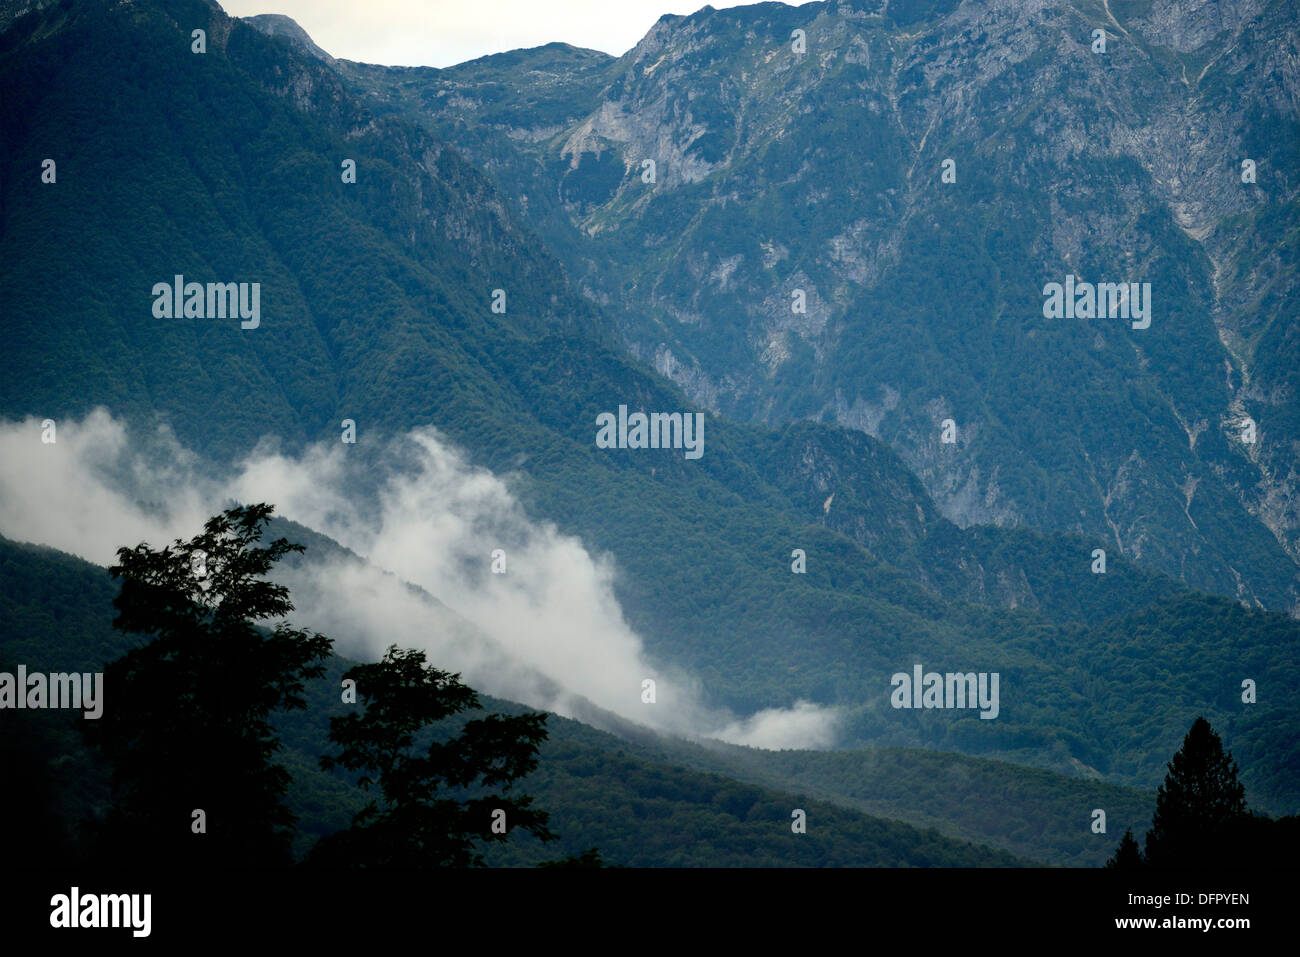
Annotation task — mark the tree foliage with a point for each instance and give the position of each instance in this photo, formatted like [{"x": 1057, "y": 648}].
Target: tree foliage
[
  {"x": 1128, "y": 855},
  {"x": 1199, "y": 806},
  {"x": 186, "y": 724},
  {"x": 1201, "y": 818},
  {"x": 436, "y": 803}
]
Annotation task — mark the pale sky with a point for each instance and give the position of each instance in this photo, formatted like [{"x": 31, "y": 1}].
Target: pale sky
[{"x": 445, "y": 32}]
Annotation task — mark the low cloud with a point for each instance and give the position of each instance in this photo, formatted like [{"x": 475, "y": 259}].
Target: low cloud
[{"x": 548, "y": 632}]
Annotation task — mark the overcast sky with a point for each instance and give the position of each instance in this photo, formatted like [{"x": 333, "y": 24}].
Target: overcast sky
[{"x": 445, "y": 32}]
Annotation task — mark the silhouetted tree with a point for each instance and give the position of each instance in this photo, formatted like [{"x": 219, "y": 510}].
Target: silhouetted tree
[
  {"x": 1128, "y": 855},
  {"x": 32, "y": 801},
  {"x": 1201, "y": 807},
  {"x": 432, "y": 812},
  {"x": 185, "y": 721}
]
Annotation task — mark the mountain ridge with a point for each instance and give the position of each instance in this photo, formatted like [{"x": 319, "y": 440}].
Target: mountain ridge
[
  {"x": 378, "y": 308},
  {"x": 703, "y": 262}
]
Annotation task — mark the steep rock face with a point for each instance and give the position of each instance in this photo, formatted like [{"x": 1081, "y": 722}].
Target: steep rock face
[
  {"x": 276, "y": 25},
  {"x": 798, "y": 252},
  {"x": 11, "y": 10}
]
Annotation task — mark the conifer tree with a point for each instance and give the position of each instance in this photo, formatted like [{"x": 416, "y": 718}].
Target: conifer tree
[
  {"x": 1128, "y": 855},
  {"x": 1200, "y": 806}
]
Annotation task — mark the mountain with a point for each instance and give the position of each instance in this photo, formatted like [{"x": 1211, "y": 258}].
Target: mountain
[
  {"x": 376, "y": 306},
  {"x": 613, "y": 790},
  {"x": 815, "y": 176},
  {"x": 286, "y": 28},
  {"x": 640, "y": 812}
]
